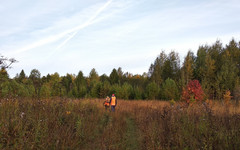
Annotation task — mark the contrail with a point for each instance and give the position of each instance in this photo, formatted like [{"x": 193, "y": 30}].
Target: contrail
[
  {"x": 89, "y": 22},
  {"x": 63, "y": 34},
  {"x": 63, "y": 43}
]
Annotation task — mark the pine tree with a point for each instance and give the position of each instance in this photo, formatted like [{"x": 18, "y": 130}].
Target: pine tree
[
  {"x": 170, "y": 90},
  {"x": 114, "y": 77},
  {"x": 188, "y": 67},
  {"x": 156, "y": 69}
]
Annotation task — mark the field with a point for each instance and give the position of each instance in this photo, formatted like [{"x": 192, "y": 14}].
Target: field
[{"x": 85, "y": 124}]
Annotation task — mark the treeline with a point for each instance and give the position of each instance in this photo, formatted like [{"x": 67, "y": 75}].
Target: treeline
[{"x": 216, "y": 67}]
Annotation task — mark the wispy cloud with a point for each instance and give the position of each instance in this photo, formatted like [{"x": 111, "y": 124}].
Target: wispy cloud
[
  {"x": 76, "y": 35},
  {"x": 72, "y": 32},
  {"x": 89, "y": 22}
]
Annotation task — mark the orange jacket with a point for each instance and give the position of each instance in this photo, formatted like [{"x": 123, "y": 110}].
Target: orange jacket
[
  {"x": 107, "y": 102},
  {"x": 113, "y": 101}
]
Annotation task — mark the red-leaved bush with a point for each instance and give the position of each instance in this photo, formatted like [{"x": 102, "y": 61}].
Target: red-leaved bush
[{"x": 193, "y": 91}]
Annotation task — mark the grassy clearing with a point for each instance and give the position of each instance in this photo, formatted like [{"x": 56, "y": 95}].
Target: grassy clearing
[{"x": 85, "y": 124}]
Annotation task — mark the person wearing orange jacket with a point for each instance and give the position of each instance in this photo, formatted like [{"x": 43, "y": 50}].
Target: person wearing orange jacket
[
  {"x": 106, "y": 103},
  {"x": 113, "y": 102}
]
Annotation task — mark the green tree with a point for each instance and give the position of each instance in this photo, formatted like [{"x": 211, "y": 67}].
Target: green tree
[
  {"x": 105, "y": 89},
  {"x": 138, "y": 93},
  {"x": 35, "y": 76},
  {"x": 116, "y": 89},
  {"x": 188, "y": 67},
  {"x": 92, "y": 79},
  {"x": 201, "y": 62},
  {"x": 226, "y": 77},
  {"x": 80, "y": 84},
  {"x": 170, "y": 90},
  {"x": 152, "y": 91},
  {"x": 215, "y": 52},
  {"x": 208, "y": 79},
  {"x": 67, "y": 82},
  {"x": 114, "y": 77},
  {"x": 126, "y": 91},
  {"x": 22, "y": 77},
  {"x": 30, "y": 88},
  {"x": 96, "y": 90},
  {"x": 104, "y": 78},
  {"x": 120, "y": 75},
  {"x": 45, "y": 91},
  {"x": 55, "y": 84},
  {"x": 156, "y": 69},
  {"x": 93, "y": 75},
  {"x": 171, "y": 67},
  {"x": 3, "y": 75},
  {"x": 12, "y": 89}
]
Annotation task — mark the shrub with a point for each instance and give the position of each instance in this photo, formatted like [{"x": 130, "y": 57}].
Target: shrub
[{"x": 193, "y": 91}]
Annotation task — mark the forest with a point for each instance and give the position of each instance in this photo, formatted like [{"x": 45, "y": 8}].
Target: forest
[
  {"x": 216, "y": 67},
  {"x": 66, "y": 112}
]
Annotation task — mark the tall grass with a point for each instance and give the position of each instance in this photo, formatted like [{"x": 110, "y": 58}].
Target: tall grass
[{"x": 85, "y": 124}]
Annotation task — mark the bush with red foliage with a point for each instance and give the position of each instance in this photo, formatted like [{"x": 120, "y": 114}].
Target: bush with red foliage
[{"x": 193, "y": 91}]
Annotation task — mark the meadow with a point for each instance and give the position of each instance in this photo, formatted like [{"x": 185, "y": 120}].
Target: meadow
[{"x": 85, "y": 124}]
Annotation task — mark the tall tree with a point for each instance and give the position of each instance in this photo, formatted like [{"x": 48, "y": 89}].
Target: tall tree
[
  {"x": 35, "y": 77},
  {"x": 22, "y": 76},
  {"x": 67, "y": 82},
  {"x": 156, "y": 69},
  {"x": 215, "y": 52},
  {"x": 114, "y": 77},
  {"x": 92, "y": 81},
  {"x": 81, "y": 85},
  {"x": 201, "y": 62},
  {"x": 226, "y": 77},
  {"x": 120, "y": 75},
  {"x": 171, "y": 67},
  {"x": 208, "y": 79},
  {"x": 56, "y": 86},
  {"x": 188, "y": 67}
]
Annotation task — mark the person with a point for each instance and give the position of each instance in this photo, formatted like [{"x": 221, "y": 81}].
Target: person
[
  {"x": 106, "y": 103},
  {"x": 113, "y": 102}
]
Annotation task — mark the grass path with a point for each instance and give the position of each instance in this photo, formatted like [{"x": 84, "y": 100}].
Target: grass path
[{"x": 131, "y": 138}]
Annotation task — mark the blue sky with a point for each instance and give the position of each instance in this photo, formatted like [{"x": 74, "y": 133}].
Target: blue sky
[{"x": 67, "y": 36}]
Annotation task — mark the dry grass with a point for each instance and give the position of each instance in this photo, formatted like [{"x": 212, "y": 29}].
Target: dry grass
[{"x": 85, "y": 124}]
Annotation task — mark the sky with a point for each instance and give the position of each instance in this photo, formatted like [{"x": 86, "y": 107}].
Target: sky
[{"x": 68, "y": 36}]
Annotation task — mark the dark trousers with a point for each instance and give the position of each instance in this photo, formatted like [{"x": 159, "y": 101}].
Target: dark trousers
[
  {"x": 113, "y": 108},
  {"x": 106, "y": 107}
]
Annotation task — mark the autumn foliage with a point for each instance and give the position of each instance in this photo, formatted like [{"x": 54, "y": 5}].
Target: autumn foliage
[{"x": 193, "y": 91}]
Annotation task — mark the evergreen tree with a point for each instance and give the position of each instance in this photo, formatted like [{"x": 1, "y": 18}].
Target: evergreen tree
[
  {"x": 22, "y": 77},
  {"x": 35, "y": 76},
  {"x": 170, "y": 90},
  {"x": 156, "y": 69},
  {"x": 226, "y": 77},
  {"x": 126, "y": 91},
  {"x": 171, "y": 68},
  {"x": 114, "y": 77},
  {"x": 152, "y": 91},
  {"x": 188, "y": 67},
  {"x": 81, "y": 85},
  {"x": 105, "y": 90},
  {"x": 67, "y": 82},
  {"x": 201, "y": 62}
]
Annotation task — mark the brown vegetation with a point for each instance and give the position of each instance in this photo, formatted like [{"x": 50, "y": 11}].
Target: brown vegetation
[{"x": 85, "y": 124}]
